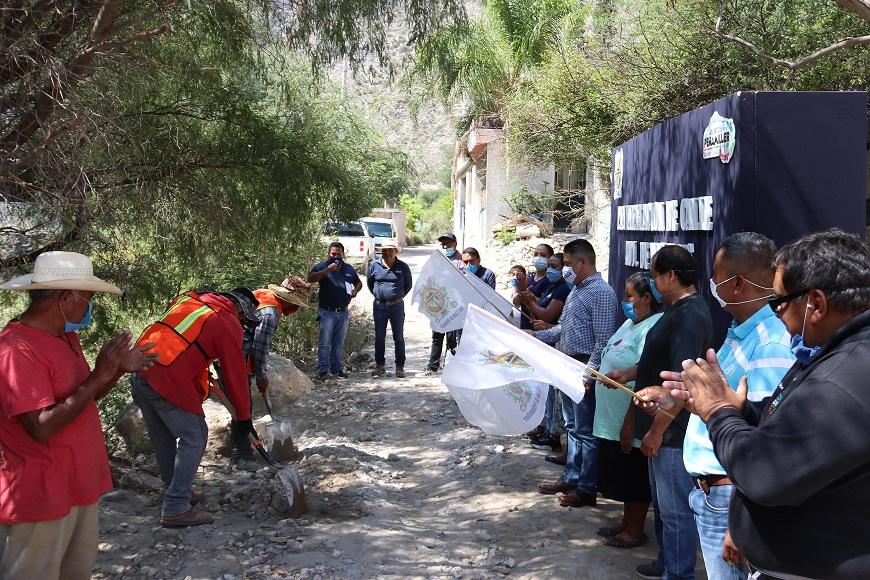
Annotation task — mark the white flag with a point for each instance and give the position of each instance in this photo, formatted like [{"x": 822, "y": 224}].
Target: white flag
[
  {"x": 443, "y": 294},
  {"x": 511, "y": 409},
  {"x": 493, "y": 353}
]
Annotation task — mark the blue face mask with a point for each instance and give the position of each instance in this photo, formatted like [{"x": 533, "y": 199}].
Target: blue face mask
[
  {"x": 628, "y": 309},
  {"x": 471, "y": 268},
  {"x": 553, "y": 274},
  {"x": 448, "y": 251},
  {"x": 569, "y": 274},
  {"x": 803, "y": 353},
  {"x": 655, "y": 291},
  {"x": 85, "y": 321},
  {"x": 539, "y": 262}
]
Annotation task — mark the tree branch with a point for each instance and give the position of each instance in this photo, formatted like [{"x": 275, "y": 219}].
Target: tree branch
[
  {"x": 790, "y": 65},
  {"x": 859, "y": 7}
]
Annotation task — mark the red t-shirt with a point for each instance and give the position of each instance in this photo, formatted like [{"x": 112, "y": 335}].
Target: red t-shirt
[
  {"x": 42, "y": 481},
  {"x": 221, "y": 338}
]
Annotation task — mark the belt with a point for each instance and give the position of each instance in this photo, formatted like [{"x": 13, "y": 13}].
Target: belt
[
  {"x": 389, "y": 302},
  {"x": 705, "y": 482},
  {"x": 334, "y": 308}
]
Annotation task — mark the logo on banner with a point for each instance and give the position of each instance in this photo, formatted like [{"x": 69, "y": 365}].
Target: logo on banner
[
  {"x": 507, "y": 360},
  {"x": 720, "y": 138},
  {"x": 617, "y": 174},
  {"x": 436, "y": 301}
]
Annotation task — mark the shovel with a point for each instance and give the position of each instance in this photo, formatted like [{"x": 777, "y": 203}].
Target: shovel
[{"x": 289, "y": 476}]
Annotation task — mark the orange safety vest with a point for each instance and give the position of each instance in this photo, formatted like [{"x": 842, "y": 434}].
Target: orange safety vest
[
  {"x": 267, "y": 298},
  {"x": 177, "y": 330}
]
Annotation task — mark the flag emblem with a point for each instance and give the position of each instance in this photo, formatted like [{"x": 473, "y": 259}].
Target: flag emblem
[
  {"x": 436, "y": 300},
  {"x": 519, "y": 393},
  {"x": 510, "y": 360}
]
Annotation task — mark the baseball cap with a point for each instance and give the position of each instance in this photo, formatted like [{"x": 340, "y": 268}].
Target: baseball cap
[{"x": 447, "y": 237}]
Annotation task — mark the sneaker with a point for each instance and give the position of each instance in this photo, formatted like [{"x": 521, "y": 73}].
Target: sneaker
[
  {"x": 379, "y": 370},
  {"x": 649, "y": 571},
  {"x": 340, "y": 375},
  {"x": 546, "y": 442},
  {"x": 429, "y": 373},
  {"x": 400, "y": 373},
  {"x": 322, "y": 376},
  {"x": 191, "y": 517}
]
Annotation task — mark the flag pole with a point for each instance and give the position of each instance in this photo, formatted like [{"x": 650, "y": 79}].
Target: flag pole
[{"x": 605, "y": 379}]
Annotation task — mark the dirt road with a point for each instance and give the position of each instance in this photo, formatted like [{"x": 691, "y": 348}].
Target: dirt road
[{"x": 400, "y": 486}]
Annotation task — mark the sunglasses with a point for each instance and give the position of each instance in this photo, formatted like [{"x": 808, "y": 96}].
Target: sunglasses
[{"x": 777, "y": 303}]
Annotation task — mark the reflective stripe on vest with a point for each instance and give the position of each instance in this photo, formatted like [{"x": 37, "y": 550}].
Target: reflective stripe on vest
[{"x": 178, "y": 328}]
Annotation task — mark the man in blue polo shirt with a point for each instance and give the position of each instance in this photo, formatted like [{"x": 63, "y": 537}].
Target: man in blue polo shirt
[
  {"x": 757, "y": 346},
  {"x": 339, "y": 284},
  {"x": 389, "y": 280}
]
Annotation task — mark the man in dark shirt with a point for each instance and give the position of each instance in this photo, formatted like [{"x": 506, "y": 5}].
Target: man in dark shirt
[
  {"x": 471, "y": 263},
  {"x": 685, "y": 330},
  {"x": 339, "y": 284},
  {"x": 389, "y": 280},
  {"x": 800, "y": 459}
]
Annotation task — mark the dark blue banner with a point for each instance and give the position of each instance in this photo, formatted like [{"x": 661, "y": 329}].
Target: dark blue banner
[{"x": 779, "y": 163}]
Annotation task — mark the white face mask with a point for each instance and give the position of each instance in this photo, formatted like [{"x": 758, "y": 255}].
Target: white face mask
[
  {"x": 569, "y": 274},
  {"x": 723, "y": 304}
]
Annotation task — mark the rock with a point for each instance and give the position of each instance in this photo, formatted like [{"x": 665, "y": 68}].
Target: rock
[
  {"x": 116, "y": 495},
  {"x": 392, "y": 457},
  {"x": 510, "y": 563},
  {"x": 139, "y": 481},
  {"x": 528, "y": 231},
  {"x": 131, "y": 426},
  {"x": 286, "y": 384}
]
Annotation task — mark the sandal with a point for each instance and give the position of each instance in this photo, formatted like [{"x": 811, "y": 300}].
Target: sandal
[
  {"x": 617, "y": 542},
  {"x": 609, "y": 531}
]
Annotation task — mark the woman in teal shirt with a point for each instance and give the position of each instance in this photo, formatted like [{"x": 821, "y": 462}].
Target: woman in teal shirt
[{"x": 623, "y": 470}]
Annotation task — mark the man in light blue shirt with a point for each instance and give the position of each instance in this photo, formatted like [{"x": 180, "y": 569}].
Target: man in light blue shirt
[{"x": 757, "y": 347}]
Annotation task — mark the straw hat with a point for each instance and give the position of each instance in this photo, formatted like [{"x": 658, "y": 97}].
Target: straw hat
[
  {"x": 288, "y": 296},
  {"x": 61, "y": 271}
]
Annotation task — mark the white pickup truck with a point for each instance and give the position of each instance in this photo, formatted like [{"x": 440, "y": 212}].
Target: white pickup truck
[
  {"x": 359, "y": 246},
  {"x": 381, "y": 230}
]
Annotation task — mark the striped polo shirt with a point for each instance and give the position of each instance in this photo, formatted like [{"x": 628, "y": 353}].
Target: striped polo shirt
[{"x": 758, "y": 349}]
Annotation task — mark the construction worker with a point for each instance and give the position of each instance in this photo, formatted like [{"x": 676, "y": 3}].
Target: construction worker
[
  {"x": 53, "y": 461},
  {"x": 275, "y": 302},
  {"x": 198, "y": 328}
]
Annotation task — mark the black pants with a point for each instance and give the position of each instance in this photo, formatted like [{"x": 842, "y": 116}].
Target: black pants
[{"x": 437, "y": 345}]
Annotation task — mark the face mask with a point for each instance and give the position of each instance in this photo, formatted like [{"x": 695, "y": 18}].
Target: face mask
[
  {"x": 723, "y": 304},
  {"x": 628, "y": 309},
  {"x": 513, "y": 282},
  {"x": 539, "y": 263},
  {"x": 803, "y": 353},
  {"x": 553, "y": 274},
  {"x": 471, "y": 268},
  {"x": 448, "y": 251},
  {"x": 85, "y": 321},
  {"x": 569, "y": 274},
  {"x": 655, "y": 291}
]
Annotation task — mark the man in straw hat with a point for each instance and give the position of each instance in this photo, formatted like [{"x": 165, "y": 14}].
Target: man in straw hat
[
  {"x": 389, "y": 280},
  {"x": 198, "y": 327},
  {"x": 54, "y": 465},
  {"x": 275, "y": 303}
]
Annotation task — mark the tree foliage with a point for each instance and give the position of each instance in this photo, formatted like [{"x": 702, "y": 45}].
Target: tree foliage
[{"x": 640, "y": 63}]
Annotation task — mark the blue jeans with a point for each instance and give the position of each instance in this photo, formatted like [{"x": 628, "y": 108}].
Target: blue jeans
[
  {"x": 395, "y": 315},
  {"x": 711, "y": 518},
  {"x": 675, "y": 524},
  {"x": 178, "y": 461},
  {"x": 333, "y": 330},
  {"x": 581, "y": 465}
]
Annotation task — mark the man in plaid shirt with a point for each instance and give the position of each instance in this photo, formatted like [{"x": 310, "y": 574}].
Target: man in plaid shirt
[{"x": 587, "y": 322}]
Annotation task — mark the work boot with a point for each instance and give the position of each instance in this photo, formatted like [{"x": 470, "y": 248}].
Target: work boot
[
  {"x": 247, "y": 465},
  {"x": 379, "y": 371},
  {"x": 191, "y": 517},
  {"x": 400, "y": 373}
]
